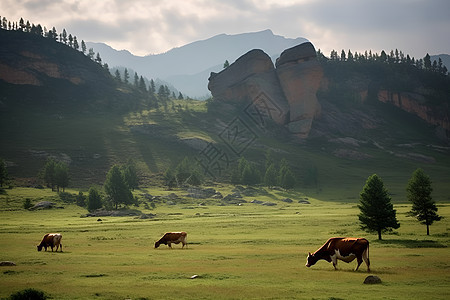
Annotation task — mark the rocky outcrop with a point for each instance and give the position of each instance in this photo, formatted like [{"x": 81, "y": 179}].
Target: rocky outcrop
[
  {"x": 249, "y": 76},
  {"x": 416, "y": 104},
  {"x": 300, "y": 75},
  {"x": 289, "y": 89}
]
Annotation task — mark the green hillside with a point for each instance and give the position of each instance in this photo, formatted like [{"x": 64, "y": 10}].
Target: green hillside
[{"x": 101, "y": 121}]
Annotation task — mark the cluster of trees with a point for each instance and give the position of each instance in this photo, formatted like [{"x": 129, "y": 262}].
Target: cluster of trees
[
  {"x": 120, "y": 181},
  {"x": 394, "y": 57},
  {"x": 377, "y": 212},
  {"x": 248, "y": 173},
  {"x": 63, "y": 37},
  {"x": 55, "y": 174},
  {"x": 154, "y": 95},
  {"x": 187, "y": 172}
]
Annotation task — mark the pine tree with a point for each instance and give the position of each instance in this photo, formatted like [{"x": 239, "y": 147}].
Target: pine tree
[
  {"x": 116, "y": 188},
  {"x": 377, "y": 212},
  {"x": 419, "y": 193},
  {"x": 117, "y": 75},
  {"x": 270, "y": 178},
  {"x": 126, "y": 75}
]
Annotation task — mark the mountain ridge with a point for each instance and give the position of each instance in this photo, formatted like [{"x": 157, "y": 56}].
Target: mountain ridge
[{"x": 193, "y": 62}]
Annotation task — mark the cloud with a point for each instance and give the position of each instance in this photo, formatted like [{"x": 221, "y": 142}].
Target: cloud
[{"x": 143, "y": 27}]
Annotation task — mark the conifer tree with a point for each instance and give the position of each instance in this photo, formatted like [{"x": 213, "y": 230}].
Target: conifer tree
[
  {"x": 116, "y": 188},
  {"x": 377, "y": 212},
  {"x": 419, "y": 193}
]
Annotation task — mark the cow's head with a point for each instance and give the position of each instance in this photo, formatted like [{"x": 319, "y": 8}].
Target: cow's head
[
  {"x": 39, "y": 247},
  {"x": 311, "y": 260},
  {"x": 157, "y": 244}
]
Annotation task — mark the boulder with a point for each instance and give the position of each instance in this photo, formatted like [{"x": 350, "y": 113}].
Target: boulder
[
  {"x": 286, "y": 94},
  {"x": 372, "y": 279},
  {"x": 43, "y": 205},
  {"x": 7, "y": 263},
  {"x": 247, "y": 79},
  {"x": 300, "y": 75}
]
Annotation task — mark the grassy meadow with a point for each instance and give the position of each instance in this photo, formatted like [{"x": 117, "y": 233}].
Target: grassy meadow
[{"x": 238, "y": 252}]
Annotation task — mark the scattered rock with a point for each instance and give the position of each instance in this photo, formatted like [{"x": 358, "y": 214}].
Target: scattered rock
[
  {"x": 7, "y": 263},
  {"x": 99, "y": 220},
  {"x": 199, "y": 193},
  {"x": 113, "y": 213},
  {"x": 269, "y": 204},
  {"x": 147, "y": 216},
  {"x": 372, "y": 279},
  {"x": 256, "y": 201},
  {"x": 195, "y": 276},
  {"x": 304, "y": 201},
  {"x": 43, "y": 205},
  {"x": 287, "y": 200}
]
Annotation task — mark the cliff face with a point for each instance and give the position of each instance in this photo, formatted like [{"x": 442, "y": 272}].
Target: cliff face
[
  {"x": 416, "y": 104},
  {"x": 290, "y": 87}
]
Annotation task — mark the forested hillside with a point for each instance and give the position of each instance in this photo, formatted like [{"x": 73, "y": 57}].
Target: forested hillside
[{"x": 59, "y": 101}]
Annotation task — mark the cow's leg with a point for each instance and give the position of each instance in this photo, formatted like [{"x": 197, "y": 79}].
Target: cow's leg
[
  {"x": 169, "y": 244},
  {"x": 359, "y": 259},
  {"x": 334, "y": 260}
]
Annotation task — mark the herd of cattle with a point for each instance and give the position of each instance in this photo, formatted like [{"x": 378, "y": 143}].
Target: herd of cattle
[{"x": 345, "y": 249}]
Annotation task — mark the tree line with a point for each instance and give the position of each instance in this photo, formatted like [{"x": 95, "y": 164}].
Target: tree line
[
  {"x": 394, "y": 57},
  {"x": 154, "y": 97}
]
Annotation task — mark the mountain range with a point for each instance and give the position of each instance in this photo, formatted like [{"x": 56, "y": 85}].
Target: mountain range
[{"x": 187, "y": 68}]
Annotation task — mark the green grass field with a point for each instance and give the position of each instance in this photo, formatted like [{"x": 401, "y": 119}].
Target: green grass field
[{"x": 238, "y": 252}]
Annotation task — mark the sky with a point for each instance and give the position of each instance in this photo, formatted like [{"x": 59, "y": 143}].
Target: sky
[{"x": 144, "y": 27}]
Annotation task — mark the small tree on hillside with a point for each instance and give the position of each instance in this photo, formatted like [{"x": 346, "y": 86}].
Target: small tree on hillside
[
  {"x": 377, "y": 212},
  {"x": 94, "y": 200},
  {"x": 116, "y": 188},
  {"x": 61, "y": 176},
  {"x": 270, "y": 178},
  {"x": 130, "y": 175},
  {"x": 419, "y": 193}
]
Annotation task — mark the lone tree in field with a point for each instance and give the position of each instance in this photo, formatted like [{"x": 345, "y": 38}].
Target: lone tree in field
[
  {"x": 419, "y": 193},
  {"x": 377, "y": 212}
]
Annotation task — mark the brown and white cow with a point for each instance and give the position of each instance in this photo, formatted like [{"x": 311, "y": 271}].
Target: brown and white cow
[
  {"x": 345, "y": 249},
  {"x": 173, "y": 237},
  {"x": 51, "y": 240}
]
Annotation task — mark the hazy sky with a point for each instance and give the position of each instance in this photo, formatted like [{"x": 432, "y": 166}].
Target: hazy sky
[{"x": 146, "y": 27}]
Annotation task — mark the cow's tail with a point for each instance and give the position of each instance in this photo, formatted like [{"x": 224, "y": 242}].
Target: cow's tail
[{"x": 368, "y": 259}]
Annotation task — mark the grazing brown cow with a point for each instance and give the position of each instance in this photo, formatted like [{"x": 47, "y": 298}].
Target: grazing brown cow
[
  {"x": 51, "y": 240},
  {"x": 172, "y": 237},
  {"x": 345, "y": 249}
]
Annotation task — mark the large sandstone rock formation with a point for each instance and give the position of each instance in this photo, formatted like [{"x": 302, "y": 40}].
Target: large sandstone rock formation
[{"x": 289, "y": 89}]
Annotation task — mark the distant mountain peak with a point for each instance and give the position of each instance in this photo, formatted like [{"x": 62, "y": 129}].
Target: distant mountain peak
[{"x": 188, "y": 67}]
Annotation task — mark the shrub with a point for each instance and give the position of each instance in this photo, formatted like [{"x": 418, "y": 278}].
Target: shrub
[{"x": 29, "y": 294}]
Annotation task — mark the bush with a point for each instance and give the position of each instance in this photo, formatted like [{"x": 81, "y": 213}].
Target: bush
[
  {"x": 29, "y": 294},
  {"x": 67, "y": 197}
]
